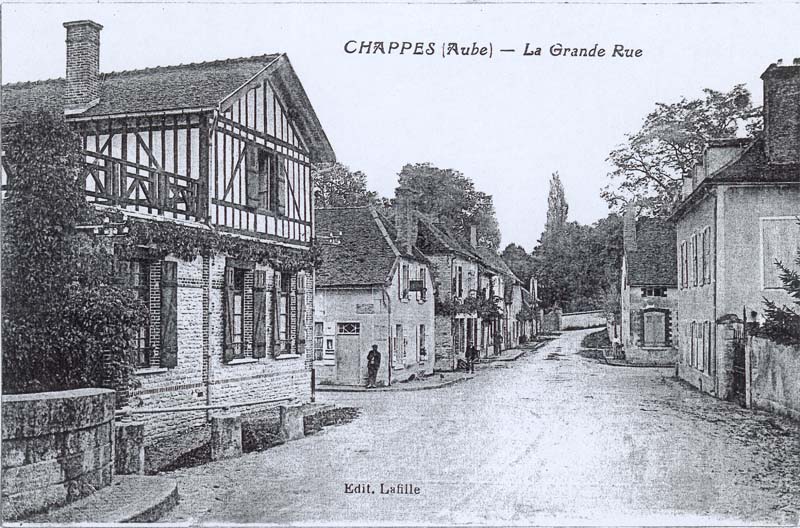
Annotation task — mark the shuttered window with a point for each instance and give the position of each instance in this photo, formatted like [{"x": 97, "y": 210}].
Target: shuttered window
[
  {"x": 135, "y": 274},
  {"x": 169, "y": 314},
  {"x": 265, "y": 174},
  {"x": 280, "y": 313},
  {"x": 233, "y": 307},
  {"x": 259, "y": 314}
]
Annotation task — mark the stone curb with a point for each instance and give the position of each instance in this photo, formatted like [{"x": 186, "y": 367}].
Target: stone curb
[
  {"x": 393, "y": 388},
  {"x": 520, "y": 352},
  {"x": 618, "y": 363},
  {"x": 129, "y": 498}
]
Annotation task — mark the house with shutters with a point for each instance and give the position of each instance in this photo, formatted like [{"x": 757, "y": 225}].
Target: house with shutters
[
  {"x": 455, "y": 266},
  {"x": 648, "y": 302},
  {"x": 737, "y": 217},
  {"x": 497, "y": 286},
  {"x": 373, "y": 288},
  {"x": 206, "y": 168}
]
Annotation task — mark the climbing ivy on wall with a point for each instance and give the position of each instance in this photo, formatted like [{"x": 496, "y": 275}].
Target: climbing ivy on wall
[{"x": 185, "y": 242}]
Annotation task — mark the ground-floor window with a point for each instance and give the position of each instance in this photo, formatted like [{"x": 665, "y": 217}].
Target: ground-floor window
[
  {"x": 421, "y": 352},
  {"x": 399, "y": 346},
  {"x": 319, "y": 340}
]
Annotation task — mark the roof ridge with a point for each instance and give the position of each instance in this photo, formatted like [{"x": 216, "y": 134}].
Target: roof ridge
[
  {"x": 215, "y": 62},
  {"x": 26, "y": 84},
  {"x": 153, "y": 69}
]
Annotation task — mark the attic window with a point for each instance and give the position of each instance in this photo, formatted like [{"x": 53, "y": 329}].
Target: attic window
[{"x": 266, "y": 180}]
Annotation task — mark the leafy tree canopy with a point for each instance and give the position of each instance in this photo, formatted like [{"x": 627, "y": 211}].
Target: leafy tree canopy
[
  {"x": 520, "y": 262},
  {"x": 579, "y": 269},
  {"x": 338, "y": 186},
  {"x": 451, "y": 198},
  {"x": 649, "y": 166}
]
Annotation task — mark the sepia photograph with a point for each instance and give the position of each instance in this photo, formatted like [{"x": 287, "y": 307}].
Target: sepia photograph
[{"x": 400, "y": 264}]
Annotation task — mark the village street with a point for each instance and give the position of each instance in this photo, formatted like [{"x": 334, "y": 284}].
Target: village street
[{"x": 551, "y": 438}]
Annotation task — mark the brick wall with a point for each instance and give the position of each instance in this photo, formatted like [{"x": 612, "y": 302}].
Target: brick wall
[
  {"x": 201, "y": 377},
  {"x": 83, "y": 64}
]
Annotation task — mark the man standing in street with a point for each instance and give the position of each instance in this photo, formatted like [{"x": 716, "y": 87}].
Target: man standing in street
[
  {"x": 373, "y": 363},
  {"x": 472, "y": 357}
]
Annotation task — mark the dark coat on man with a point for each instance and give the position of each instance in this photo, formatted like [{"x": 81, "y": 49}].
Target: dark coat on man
[{"x": 373, "y": 359}]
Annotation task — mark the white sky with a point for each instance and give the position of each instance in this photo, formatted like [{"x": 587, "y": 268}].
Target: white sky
[{"x": 506, "y": 122}]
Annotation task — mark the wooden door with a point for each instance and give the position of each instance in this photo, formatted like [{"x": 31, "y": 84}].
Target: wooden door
[{"x": 348, "y": 354}]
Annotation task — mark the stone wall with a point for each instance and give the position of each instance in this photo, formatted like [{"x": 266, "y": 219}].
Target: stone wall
[
  {"x": 579, "y": 320},
  {"x": 776, "y": 377},
  {"x": 57, "y": 448}
]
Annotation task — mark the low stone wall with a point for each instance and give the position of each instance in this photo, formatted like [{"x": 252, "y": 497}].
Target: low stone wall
[
  {"x": 580, "y": 320},
  {"x": 776, "y": 377},
  {"x": 57, "y": 448}
]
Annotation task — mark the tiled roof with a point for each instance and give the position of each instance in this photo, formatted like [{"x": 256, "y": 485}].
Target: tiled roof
[
  {"x": 492, "y": 260},
  {"x": 752, "y": 166},
  {"x": 200, "y": 85},
  {"x": 435, "y": 239},
  {"x": 654, "y": 261},
  {"x": 362, "y": 258},
  {"x": 197, "y": 85}
]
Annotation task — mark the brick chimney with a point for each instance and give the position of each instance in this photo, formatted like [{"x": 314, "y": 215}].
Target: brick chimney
[
  {"x": 629, "y": 228},
  {"x": 83, "y": 66},
  {"x": 473, "y": 236},
  {"x": 405, "y": 222},
  {"x": 782, "y": 112}
]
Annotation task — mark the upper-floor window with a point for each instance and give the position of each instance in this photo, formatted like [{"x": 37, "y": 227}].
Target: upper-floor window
[
  {"x": 266, "y": 179},
  {"x": 779, "y": 238},
  {"x": 403, "y": 284},
  {"x": 654, "y": 292}
]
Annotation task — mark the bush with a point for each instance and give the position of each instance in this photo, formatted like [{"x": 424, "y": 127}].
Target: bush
[
  {"x": 782, "y": 323},
  {"x": 62, "y": 314}
]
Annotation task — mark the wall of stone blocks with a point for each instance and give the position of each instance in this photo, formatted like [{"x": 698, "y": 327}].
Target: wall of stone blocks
[
  {"x": 776, "y": 376},
  {"x": 57, "y": 448}
]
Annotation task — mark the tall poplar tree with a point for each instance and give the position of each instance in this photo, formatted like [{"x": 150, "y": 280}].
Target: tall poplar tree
[{"x": 557, "y": 208}]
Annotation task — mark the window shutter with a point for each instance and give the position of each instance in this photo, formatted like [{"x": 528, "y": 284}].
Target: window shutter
[
  {"x": 668, "y": 328},
  {"x": 281, "y": 184},
  {"x": 253, "y": 183},
  {"x": 276, "y": 318},
  {"x": 169, "y": 314},
  {"x": 259, "y": 314},
  {"x": 227, "y": 306},
  {"x": 301, "y": 309}
]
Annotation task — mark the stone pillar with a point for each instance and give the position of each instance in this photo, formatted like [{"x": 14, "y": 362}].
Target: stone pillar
[
  {"x": 729, "y": 328},
  {"x": 129, "y": 448},
  {"x": 226, "y": 436},
  {"x": 292, "y": 427}
]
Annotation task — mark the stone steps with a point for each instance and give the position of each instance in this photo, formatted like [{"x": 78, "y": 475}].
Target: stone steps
[{"x": 129, "y": 498}]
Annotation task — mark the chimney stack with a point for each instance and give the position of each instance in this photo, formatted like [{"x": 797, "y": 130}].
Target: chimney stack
[
  {"x": 83, "y": 66},
  {"x": 629, "y": 228},
  {"x": 782, "y": 112},
  {"x": 404, "y": 221},
  {"x": 473, "y": 236}
]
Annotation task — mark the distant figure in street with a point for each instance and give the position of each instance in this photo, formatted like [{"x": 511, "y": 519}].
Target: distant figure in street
[
  {"x": 373, "y": 363},
  {"x": 472, "y": 357}
]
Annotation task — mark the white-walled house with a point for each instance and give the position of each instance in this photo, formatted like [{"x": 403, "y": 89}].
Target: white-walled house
[{"x": 373, "y": 288}]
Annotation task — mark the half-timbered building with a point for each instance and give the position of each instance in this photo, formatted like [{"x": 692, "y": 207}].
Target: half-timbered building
[{"x": 215, "y": 156}]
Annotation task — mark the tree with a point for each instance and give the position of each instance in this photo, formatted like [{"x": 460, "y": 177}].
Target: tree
[
  {"x": 520, "y": 262},
  {"x": 338, "y": 186},
  {"x": 451, "y": 198},
  {"x": 579, "y": 269},
  {"x": 782, "y": 323},
  {"x": 61, "y": 312},
  {"x": 649, "y": 167},
  {"x": 557, "y": 208}
]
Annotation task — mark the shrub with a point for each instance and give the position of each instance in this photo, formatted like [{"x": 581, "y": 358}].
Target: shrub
[
  {"x": 782, "y": 323},
  {"x": 62, "y": 313}
]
